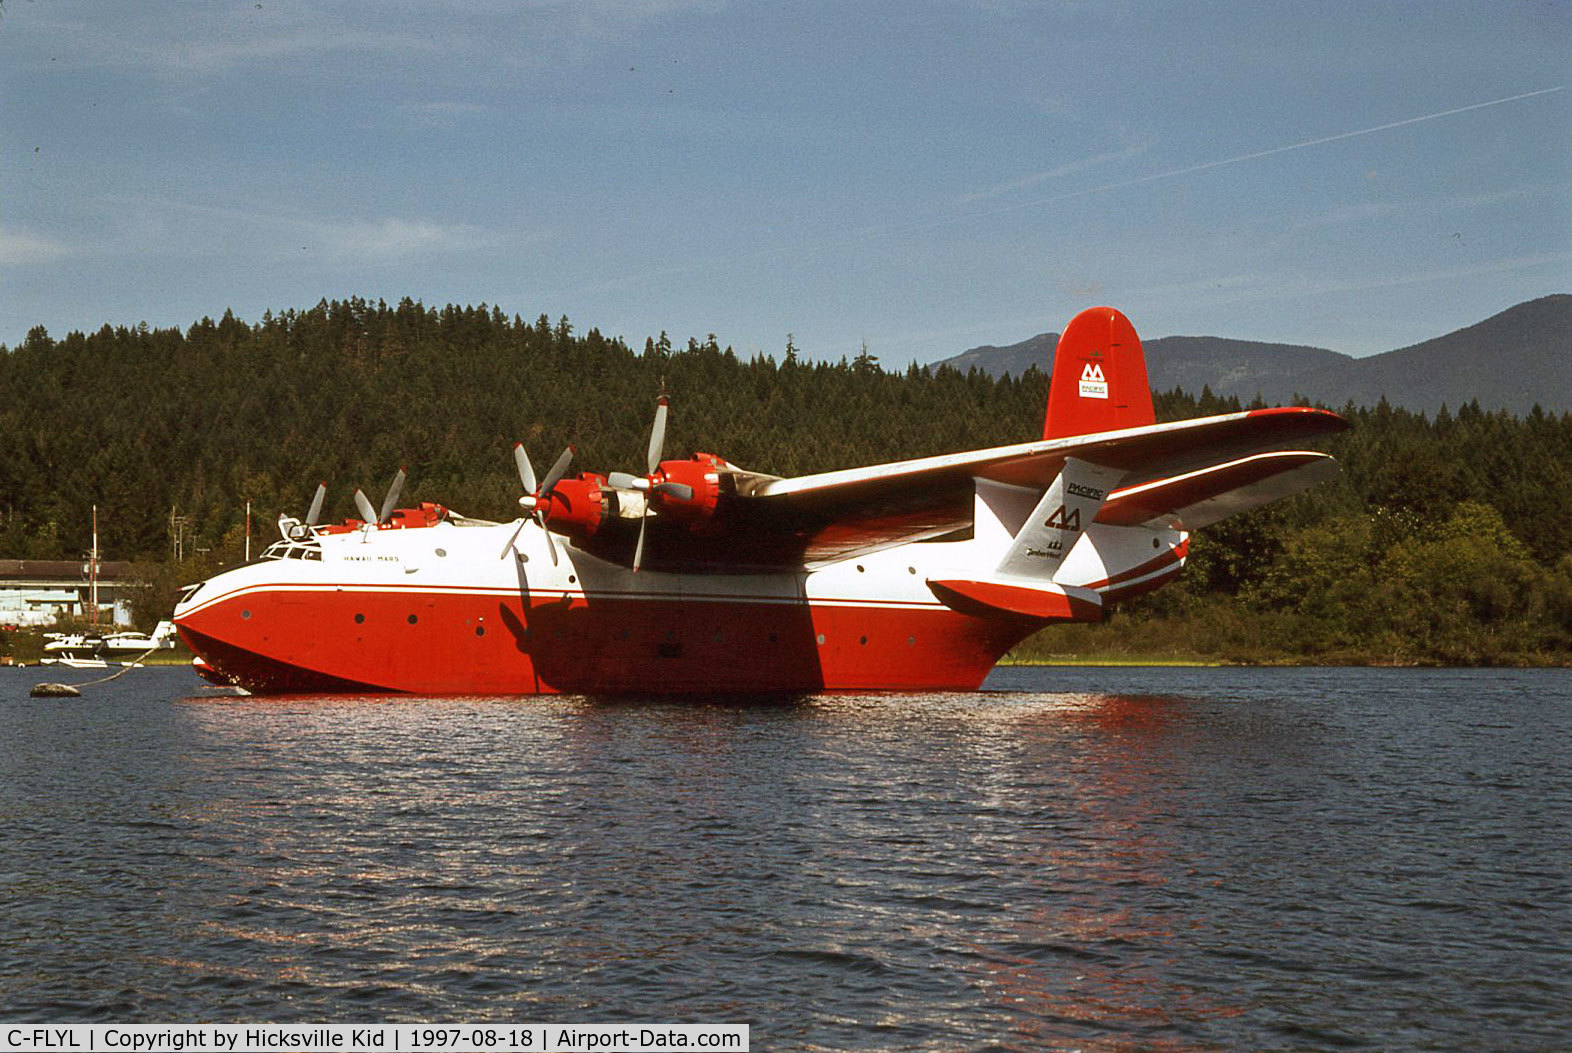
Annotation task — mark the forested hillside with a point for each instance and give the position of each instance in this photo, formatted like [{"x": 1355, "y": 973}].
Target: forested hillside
[{"x": 1444, "y": 539}]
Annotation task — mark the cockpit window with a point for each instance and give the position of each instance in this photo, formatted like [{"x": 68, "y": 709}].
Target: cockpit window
[{"x": 293, "y": 550}]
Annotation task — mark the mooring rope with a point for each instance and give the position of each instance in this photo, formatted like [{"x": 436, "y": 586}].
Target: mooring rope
[{"x": 128, "y": 666}]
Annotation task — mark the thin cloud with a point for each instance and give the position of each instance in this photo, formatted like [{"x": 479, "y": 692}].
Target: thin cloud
[
  {"x": 24, "y": 250},
  {"x": 1038, "y": 178},
  {"x": 292, "y": 39},
  {"x": 392, "y": 239},
  {"x": 150, "y": 224},
  {"x": 1367, "y": 211},
  {"x": 1258, "y": 288}
]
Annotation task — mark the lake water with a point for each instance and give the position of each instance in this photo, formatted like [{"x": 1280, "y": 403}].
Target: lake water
[{"x": 1094, "y": 859}]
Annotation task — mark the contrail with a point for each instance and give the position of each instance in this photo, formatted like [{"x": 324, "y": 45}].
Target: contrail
[{"x": 1208, "y": 165}]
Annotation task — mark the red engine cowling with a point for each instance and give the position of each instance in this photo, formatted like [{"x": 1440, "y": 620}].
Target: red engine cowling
[
  {"x": 577, "y": 507},
  {"x": 702, "y": 475}
]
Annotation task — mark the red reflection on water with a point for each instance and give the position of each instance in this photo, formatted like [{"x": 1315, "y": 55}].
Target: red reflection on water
[{"x": 1103, "y": 948}]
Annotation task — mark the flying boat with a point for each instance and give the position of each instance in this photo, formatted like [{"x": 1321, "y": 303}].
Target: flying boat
[{"x": 698, "y": 576}]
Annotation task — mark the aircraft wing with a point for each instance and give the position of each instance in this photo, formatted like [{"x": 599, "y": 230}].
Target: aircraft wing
[{"x": 812, "y": 520}]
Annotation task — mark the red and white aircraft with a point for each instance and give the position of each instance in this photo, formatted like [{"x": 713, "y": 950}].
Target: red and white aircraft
[{"x": 699, "y": 576}]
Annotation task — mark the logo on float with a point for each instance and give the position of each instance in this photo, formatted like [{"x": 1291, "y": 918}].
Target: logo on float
[{"x": 1093, "y": 384}]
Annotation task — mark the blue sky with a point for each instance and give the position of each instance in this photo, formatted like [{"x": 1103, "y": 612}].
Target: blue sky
[{"x": 922, "y": 176}]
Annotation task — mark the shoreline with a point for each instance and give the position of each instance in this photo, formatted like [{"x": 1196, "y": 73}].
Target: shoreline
[{"x": 1331, "y": 662}]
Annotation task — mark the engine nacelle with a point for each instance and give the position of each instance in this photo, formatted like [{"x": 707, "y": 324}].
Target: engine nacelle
[
  {"x": 701, "y": 476},
  {"x": 578, "y": 507}
]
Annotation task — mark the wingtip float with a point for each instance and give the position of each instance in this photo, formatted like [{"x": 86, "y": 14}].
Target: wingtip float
[{"x": 700, "y": 577}]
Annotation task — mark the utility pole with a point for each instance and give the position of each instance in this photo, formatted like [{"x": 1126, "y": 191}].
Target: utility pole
[
  {"x": 92, "y": 573},
  {"x": 177, "y": 533}
]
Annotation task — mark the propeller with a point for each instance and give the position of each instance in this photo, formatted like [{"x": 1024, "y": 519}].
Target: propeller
[
  {"x": 292, "y": 528},
  {"x": 537, "y": 498},
  {"x": 650, "y": 483},
  {"x": 368, "y": 512}
]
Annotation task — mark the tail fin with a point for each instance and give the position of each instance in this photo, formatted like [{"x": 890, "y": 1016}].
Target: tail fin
[{"x": 1099, "y": 377}]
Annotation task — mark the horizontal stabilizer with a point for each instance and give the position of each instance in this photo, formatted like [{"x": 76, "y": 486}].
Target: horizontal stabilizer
[
  {"x": 1203, "y": 497},
  {"x": 1042, "y": 601}
]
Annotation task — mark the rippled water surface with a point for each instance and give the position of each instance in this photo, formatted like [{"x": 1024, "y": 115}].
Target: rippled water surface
[{"x": 1096, "y": 859}]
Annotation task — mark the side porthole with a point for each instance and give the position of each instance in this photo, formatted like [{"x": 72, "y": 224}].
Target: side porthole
[
  {"x": 413, "y": 619},
  {"x": 359, "y": 618},
  {"x": 480, "y": 630},
  {"x": 245, "y": 614}
]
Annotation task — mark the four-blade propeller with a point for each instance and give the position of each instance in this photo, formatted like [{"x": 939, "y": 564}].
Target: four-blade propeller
[
  {"x": 536, "y": 499},
  {"x": 651, "y": 483}
]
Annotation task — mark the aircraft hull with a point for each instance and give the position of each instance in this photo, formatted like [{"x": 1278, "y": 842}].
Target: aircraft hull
[
  {"x": 388, "y": 614},
  {"x": 444, "y": 643}
]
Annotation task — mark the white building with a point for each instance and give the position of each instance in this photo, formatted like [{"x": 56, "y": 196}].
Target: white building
[{"x": 34, "y": 592}]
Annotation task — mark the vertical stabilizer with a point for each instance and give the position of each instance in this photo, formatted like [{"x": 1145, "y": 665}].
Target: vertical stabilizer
[{"x": 1099, "y": 377}]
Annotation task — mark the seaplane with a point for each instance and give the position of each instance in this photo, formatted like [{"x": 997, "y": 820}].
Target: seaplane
[
  {"x": 697, "y": 576},
  {"x": 96, "y": 651}
]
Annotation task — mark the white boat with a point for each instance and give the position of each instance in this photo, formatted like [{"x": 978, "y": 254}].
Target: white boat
[{"x": 74, "y": 662}]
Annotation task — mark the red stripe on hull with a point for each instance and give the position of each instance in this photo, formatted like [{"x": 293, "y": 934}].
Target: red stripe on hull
[{"x": 465, "y": 643}]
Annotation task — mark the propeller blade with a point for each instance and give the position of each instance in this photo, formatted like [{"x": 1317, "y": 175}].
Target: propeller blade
[
  {"x": 391, "y": 499},
  {"x": 551, "y": 549},
  {"x": 512, "y": 538},
  {"x": 627, "y": 481},
  {"x": 363, "y": 503},
  {"x": 638, "y": 550},
  {"x": 558, "y": 470},
  {"x": 681, "y": 491},
  {"x": 657, "y": 435},
  {"x": 316, "y": 505},
  {"x": 526, "y": 470}
]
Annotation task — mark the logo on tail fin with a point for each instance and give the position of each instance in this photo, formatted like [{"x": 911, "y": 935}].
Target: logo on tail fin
[{"x": 1093, "y": 384}]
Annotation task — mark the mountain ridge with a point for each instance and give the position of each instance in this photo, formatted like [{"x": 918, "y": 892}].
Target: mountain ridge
[{"x": 1512, "y": 360}]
